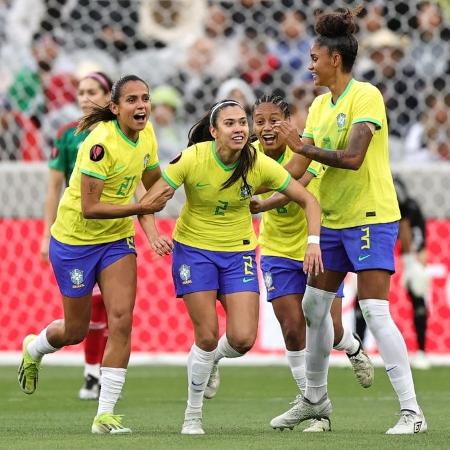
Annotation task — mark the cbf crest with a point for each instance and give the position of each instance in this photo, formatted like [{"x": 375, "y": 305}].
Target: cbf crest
[
  {"x": 268, "y": 281},
  {"x": 77, "y": 278},
  {"x": 246, "y": 191},
  {"x": 340, "y": 120},
  {"x": 185, "y": 274}
]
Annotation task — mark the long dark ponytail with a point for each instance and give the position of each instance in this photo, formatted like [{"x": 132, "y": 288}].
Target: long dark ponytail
[
  {"x": 200, "y": 132},
  {"x": 104, "y": 113}
]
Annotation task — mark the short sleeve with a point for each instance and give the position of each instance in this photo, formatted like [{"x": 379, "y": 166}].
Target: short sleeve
[
  {"x": 176, "y": 171},
  {"x": 369, "y": 107},
  {"x": 308, "y": 132},
  {"x": 153, "y": 160},
  {"x": 315, "y": 168},
  {"x": 274, "y": 176},
  {"x": 58, "y": 157},
  {"x": 95, "y": 160}
]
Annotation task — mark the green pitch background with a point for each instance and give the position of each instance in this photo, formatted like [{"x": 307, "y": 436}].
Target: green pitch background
[{"x": 238, "y": 418}]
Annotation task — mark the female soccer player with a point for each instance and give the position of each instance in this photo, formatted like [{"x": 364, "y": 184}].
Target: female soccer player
[
  {"x": 214, "y": 241},
  {"x": 346, "y": 130},
  {"x": 283, "y": 240},
  {"x": 92, "y": 240},
  {"x": 93, "y": 90}
]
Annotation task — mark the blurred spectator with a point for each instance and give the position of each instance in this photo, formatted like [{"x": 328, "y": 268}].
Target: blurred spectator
[
  {"x": 292, "y": 47},
  {"x": 429, "y": 139},
  {"x": 431, "y": 43},
  {"x": 20, "y": 140},
  {"x": 383, "y": 63},
  {"x": 170, "y": 132},
  {"x": 171, "y": 21},
  {"x": 374, "y": 17},
  {"x": 197, "y": 78},
  {"x": 239, "y": 90}
]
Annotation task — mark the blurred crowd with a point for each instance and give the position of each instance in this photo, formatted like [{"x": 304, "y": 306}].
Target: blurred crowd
[{"x": 193, "y": 52}]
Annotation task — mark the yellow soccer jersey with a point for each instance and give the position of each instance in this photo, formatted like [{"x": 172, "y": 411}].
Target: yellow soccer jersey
[
  {"x": 284, "y": 231},
  {"x": 215, "y": 218},
  {"x": 106, "y": 154},
  {"x": 365, "y": 196}
]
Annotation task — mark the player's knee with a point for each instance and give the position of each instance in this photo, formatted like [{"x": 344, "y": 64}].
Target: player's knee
[
  {"x": 242, "y": 344},
  {"x": 207, "y": 342},
  {"x": 293, "y": 335},
  {"x": 120, "y": 322}
]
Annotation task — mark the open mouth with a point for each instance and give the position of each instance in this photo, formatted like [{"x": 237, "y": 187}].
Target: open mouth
[
  {"x": 268, "y": 139},
  {"x": 140, "y": 117},
  {"x": 238, "y": 139}
]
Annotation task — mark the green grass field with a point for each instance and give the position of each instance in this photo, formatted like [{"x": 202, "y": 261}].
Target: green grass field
[{"x": 238, "y": 418}]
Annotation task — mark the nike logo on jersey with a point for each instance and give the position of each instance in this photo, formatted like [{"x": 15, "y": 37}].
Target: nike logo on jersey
[
  {"x": 362, "y": 257},
  {"x": 201, "y": 185},
  {"x": 247, "y": 280}
]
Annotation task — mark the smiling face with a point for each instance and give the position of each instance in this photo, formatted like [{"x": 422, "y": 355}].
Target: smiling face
[
  {"x": 231, "y": 128},
  {"x": 91, "y": 94},
  {"x": 133, "y": 109},
  {"x": 323, "y": 66},
  {"x": 265, "y": 116}
]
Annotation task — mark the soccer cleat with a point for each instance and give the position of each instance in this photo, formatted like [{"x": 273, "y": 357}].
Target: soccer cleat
[
  {"x": 213, "y": 382},
  {"x": 28, "y": 372},
  {"x": 410, "y": 422},
  {"x": 90, "y": 389},
  {"x": 318, "y": 426},
  {"x": 108, "y": 423},
  {"x": 192, "y": 425},
  {"x": 420, "y": 361},
  {"x": 362, "y": 365},
  {"x": 303, "y": 410}
]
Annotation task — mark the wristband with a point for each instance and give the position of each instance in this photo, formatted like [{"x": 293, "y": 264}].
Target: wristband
[{"x": 313, "y": 239}]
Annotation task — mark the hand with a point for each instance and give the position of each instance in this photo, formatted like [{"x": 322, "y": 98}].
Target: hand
[
  {"x": 256, "y": 205},
  {"x": 162, "y": 245},
  {"x": 155, "y": 201},
  {"x": 312, "y": 264},
  {"x": 45, "y": 243},
  {"x": 289, "y": 134}
]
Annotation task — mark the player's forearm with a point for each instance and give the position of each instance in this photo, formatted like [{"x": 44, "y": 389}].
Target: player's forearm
[
  {"x": 342, "y": 159},
  {"x": 102, "y": 210},
  {"x": 313, "y": 215},
  {"x": 148, "y": 225},
  {"x": 277, "y": 200},
  {"x": 50, "y": 210}
]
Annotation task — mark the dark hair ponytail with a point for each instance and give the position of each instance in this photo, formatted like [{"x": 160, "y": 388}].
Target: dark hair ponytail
[
  {"x": 104, "y": 113},
  {"x": 336, "y": 32},
  {"x": 200, "y": 133}
]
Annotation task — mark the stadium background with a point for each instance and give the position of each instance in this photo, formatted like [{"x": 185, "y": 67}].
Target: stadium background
[{"x": 195, "y": 46}]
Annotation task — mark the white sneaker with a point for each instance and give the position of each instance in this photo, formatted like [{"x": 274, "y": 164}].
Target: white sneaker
[
  {"x": 362, "y": 365},
  {"x": 420, "y": 361},
  {"x": 302, "y": 410},
  {"x": 192, "y": 425},
  {"x": 318, "y": 426},
  {"x": 409, "y": 423},
  {"x": 213, "y": 383}
]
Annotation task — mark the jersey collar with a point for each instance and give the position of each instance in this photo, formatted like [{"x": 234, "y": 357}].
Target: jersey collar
[
  {"x": 344, "y": 93},
  {"x": 219, "y": 161},
  {"x": 124, "y": 136}
]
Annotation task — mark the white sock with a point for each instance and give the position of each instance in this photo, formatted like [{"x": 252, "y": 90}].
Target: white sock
[
  {"x": 200, "y": 363},
  {"x": 112, "y": 380},
  {"x": 92, "y": 369},
  {"x": 225, "y": 350},
  {"x": 392, "y": 348},
  {"x": 348, "y": 344},
  {"x": 316, "y": 306},
  {"x": 40, "y": 346},
  {"x": 296, "y": 361}
]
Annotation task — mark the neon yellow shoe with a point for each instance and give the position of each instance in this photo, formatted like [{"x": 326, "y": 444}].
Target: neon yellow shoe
[
  {"x": 108, "y": 423},
  {"x": 28, "y": 373}
]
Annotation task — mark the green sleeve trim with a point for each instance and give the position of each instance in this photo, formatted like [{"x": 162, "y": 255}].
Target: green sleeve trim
[
  {"x": 285, "y": 184},
  {"x": 169, "y": 181},
  {"x": 93, "y": 174},
  {"x": 313, "y": 171},
  {"x": 369, "y": 119},
  {"x": 308, "y": 135},
  {"x": 55, "y": 165},
  {"x": 154, "y": 166}
]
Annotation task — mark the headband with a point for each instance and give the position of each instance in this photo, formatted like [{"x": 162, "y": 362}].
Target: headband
[
  {"x": 220, "y": 105},
  {"x": 104, "y": 83}
]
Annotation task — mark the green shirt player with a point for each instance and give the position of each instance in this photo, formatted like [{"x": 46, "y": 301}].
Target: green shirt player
[
  {"x": 214, "y": 242},
  {"x": 92, "y": 240},
  {"x": 346, "y": 130}
]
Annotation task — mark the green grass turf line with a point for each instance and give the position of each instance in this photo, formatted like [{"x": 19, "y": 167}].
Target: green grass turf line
[{"x": 238, "y": 418}]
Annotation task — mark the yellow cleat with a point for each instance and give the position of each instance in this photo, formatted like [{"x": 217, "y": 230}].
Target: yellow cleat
[
  {"x": 28, "y": 373},
  {"x": 108, "y": 423}
]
